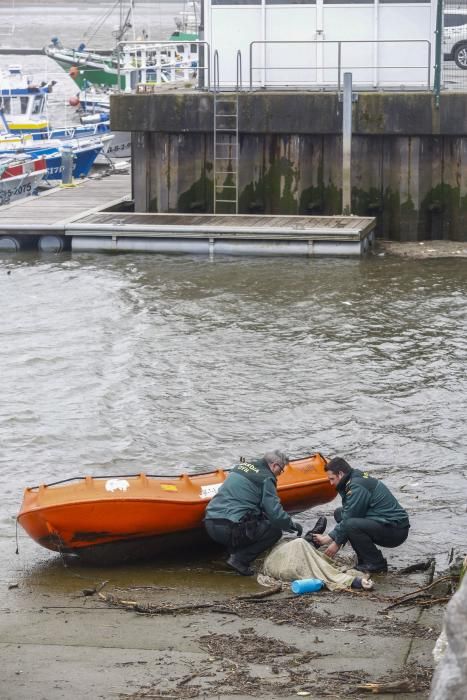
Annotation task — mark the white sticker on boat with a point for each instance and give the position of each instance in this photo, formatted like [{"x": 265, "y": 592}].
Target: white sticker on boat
[
  {"x": 117, "y": 485},
  {"x": 210, "y": 490}
]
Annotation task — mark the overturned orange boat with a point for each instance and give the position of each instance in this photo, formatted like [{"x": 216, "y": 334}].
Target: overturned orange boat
[{"x": 124, "y": 517}]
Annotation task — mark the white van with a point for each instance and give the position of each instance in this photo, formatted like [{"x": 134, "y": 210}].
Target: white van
[{"x": 455, "y": 35}]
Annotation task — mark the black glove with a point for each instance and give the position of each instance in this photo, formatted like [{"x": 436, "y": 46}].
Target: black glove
[{"x": 298, "y": 529}]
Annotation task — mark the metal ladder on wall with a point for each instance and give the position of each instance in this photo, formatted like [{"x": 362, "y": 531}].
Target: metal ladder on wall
[{"x": 226, "y": 144}]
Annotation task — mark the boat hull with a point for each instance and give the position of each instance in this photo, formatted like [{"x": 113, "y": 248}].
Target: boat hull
[
  {"x": 120, "y": 146},
  {"x": 20, "y": 176},
  {"x": 82, "y": 163},
  {"x": 146, "y": 513},
  {"x": 84, "y": 158},
  {"x": 87, "y": 72},
  {"x": 20, "y": 187}
]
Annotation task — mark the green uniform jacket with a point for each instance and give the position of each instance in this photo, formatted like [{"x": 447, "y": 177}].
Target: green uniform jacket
[
  {"x": 366, "y": 497},
  {"x": 249, "y": 488}
]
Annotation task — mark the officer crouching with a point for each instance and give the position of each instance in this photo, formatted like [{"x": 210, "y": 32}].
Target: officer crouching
[{"x": 246, "y": 515}]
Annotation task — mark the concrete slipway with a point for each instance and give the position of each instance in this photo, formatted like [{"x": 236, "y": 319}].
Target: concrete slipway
[{"x": 57, "y": 641}]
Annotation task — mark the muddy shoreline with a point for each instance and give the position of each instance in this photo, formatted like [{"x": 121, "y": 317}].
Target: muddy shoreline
[
  {"x": 193, "y": 629},
  {"x": 422, "y": 249}
]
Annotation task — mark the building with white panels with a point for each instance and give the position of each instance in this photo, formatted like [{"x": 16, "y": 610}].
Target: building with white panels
[{"x": 290, "y": 43}]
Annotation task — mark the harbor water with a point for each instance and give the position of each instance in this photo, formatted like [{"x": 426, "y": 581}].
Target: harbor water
[
  {"x": 116, "y": 365},
  {"x": 122, "y": 364}
]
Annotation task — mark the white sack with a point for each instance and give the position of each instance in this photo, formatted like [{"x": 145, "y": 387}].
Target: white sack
[{"x": 297, "y": 559}]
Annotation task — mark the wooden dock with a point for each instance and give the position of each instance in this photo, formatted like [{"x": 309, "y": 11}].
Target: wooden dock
[
  {"x": 52, "y": 209},
  {"x": 89, "y": 217}
]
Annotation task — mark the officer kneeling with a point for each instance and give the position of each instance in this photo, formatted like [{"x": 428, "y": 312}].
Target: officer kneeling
[{"x": 246, "y": 515}]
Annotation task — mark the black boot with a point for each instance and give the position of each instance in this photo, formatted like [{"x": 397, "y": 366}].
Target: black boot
[
  {"x": 380, "y": 567},
  {"x": 239, "y": 566},
  {"x": 318, "y": 529}
]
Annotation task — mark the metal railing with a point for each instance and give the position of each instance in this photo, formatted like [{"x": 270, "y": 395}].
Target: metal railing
[
  {"x": 216, "y": 72},
  {"x": 321, "y": 72},
  {"x": 238, "y": 85},
  {"x": 321, "y": 65},
  {"x": 161, "y": 62}
]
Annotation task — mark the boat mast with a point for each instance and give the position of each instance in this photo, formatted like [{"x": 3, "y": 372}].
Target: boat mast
[{"x": 125, "y": 23}]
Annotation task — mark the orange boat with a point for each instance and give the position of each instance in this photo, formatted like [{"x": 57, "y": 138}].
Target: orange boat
[{"x": 121, "y": 517}]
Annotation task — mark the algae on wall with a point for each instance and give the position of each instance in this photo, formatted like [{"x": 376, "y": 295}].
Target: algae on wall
[
  {"x": 416, "y": 186},
  {"x": 274, "y": 189},
  {"x": 181, "y": 173}
]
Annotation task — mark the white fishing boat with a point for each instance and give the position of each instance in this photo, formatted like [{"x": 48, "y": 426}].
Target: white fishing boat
[
  {"x": 20, "y": 176},
  {"x": 120, "y": 145},
  {"x": 131, "y": 64},
  {"x": 135, "y": 60},
  {"x": 24, "y": 125},
  {"x": 85, "y": 144},
  {"x": 23, "y": 101}
]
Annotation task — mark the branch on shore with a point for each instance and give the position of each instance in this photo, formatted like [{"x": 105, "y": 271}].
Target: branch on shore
[
  {"x": 261, "y": 594},
  {"x": 404, "y": 686},
  {"x": 419, "y": 566},
  {"x": 169, "y": 609},
  {"x": 410, "y": 598}
]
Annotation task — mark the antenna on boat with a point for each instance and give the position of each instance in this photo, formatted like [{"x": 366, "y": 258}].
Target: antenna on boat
[{"x": 127, "y": 23}]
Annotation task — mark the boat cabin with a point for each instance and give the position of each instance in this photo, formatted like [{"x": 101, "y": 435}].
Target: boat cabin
[
  {"x": 24, "y": 104},
  {"x": 298, "y": 43}
]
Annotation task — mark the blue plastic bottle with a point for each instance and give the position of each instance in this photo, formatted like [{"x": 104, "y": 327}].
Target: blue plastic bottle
[{"x": 307, "y": 585}]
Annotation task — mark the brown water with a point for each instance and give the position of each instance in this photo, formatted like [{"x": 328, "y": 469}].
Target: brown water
[
  {"x": 161, "y": 364},
  {"x": 116, "y": 365}
]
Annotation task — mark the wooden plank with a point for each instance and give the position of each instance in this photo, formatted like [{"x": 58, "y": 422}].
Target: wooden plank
[
  {"x": 333, "y": 225},
  {"x": 128, "y": 225},
  {"x": 52, "y": 207}
]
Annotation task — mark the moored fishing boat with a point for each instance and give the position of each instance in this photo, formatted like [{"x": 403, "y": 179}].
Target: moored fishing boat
[
  {"x": 120, "y": 145},
  {"x": 136, "y": 60},
  {"x": 84, "y": 153},
  {"x": 20, "y": 176},
  {"x": 121, "y": 517},
  {"x": 91, "y": 142},
  {"x": 129, "y": 65},
  {"x": 23, "y": 102}
]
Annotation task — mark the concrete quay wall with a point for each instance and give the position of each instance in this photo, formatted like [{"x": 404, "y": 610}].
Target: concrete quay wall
[{"x": 409, "y": 157}]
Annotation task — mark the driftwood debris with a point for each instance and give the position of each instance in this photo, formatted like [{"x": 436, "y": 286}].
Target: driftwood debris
[
  {"x": 414, "y": 596},
  {"x": 149, "y": 608},
  {"x": 95, "y": 589},
  {"x": 419, "y": 566},
  {"x": 262, "y": 594},
  {"x": 187, "y": 679},
  {"x": 403, "y": 686},
  {"x": 169, "y": 609}
]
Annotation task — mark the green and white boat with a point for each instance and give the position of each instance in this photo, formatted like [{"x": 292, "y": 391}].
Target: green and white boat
[{"x": 133, "y": 61}]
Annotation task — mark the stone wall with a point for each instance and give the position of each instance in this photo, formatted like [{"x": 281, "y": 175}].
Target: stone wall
[{"x": 409, "y": 157}]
